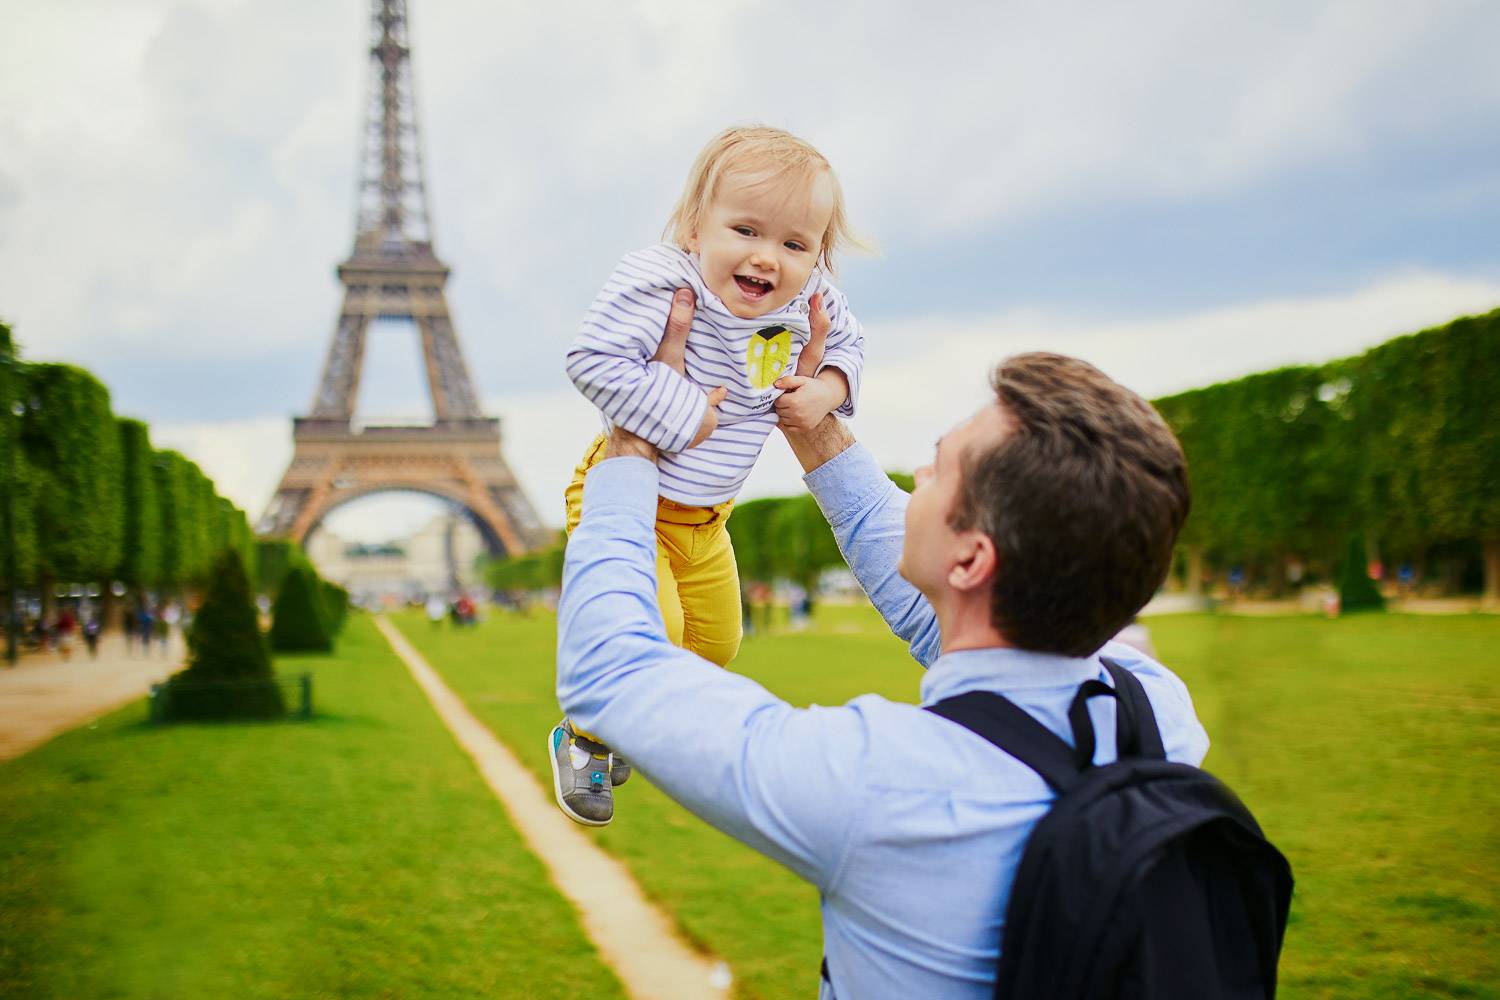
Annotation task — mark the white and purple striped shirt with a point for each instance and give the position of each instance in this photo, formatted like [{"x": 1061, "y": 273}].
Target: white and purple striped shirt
[{"x": 610, "y": 364}]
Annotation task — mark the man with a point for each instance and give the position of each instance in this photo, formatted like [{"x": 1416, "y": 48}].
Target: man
[{"x": 1044, "y": 523}]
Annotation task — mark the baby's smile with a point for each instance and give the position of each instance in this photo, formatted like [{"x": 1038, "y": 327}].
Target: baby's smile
[{"x": 753, "y": 289}]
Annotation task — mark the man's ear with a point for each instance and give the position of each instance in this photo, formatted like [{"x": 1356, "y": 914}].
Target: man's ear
[{"x": 976, "y": 564}]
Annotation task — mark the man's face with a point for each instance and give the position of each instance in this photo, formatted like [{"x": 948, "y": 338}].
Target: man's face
[
  {"x": 760, "y": 239},
  {"x": 931, "y": 546}
]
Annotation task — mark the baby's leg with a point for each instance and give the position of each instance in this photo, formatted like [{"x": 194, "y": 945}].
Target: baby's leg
[
  {"x": 666, "y": 586},
  {"x": 708, "y": 587},
  {"x": 668, "y": 596}
]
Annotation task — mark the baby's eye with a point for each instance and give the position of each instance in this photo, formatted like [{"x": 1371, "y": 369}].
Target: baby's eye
[
  {"x": 744, "y": 230},
  {"x": 795, "y": 246}
]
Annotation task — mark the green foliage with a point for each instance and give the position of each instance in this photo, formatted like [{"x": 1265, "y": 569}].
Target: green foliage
[
  {"x": 535, "y": 571},
  {"x": 69, "y": 437},
  {"x": 181, "y": 544},
  {"x": 335, "y": 605},
  {"x": 273, "y": 557},
  {"x": 1357, "y": 592},
  {"x": 299, "y": 622},
  {"x": 229, "y": 668},
  {"x": 17, "y": 478},
  {"x": 88, "y": 498},
  {"x": 140, "y": 552},
  {"x": 1398, "y": 443}
]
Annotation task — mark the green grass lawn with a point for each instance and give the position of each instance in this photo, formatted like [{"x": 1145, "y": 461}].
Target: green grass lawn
[
  {"x": 1368, "y": 747},
  {"x": 357, "y": 854}
]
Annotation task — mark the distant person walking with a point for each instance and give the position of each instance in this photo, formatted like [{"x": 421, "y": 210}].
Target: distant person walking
[
  {"x": 65, "y": 626},
  {"x": 146, "y": 626},
  {"x": 91, "y": 629},
  {"x": 131, "y": 624}
]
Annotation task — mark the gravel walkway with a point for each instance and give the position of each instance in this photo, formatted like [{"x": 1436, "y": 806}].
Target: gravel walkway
[
  {"x": 44, "y": 695},
  {"x": 634, "y": 938}
]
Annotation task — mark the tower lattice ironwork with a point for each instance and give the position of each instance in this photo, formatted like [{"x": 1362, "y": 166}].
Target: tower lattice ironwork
[{"x": 393, "y": 273}]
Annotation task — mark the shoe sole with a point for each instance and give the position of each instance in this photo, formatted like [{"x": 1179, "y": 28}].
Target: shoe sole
[{"x": 557, "y": 789}]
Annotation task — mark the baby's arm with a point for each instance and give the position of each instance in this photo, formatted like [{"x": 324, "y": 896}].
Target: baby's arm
[
  {"x": 844, "y": 353},
  {"x": 611, "y": 363}
]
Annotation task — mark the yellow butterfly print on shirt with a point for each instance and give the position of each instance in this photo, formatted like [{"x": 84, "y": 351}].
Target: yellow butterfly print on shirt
[{"x": 767, "y": 356}]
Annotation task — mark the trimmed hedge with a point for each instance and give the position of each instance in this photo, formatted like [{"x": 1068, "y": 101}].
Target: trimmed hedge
[
  {"x": 299, "y": 622},
  {"x": 229, "y": 668},
  {"x": 90, "y": 500}
]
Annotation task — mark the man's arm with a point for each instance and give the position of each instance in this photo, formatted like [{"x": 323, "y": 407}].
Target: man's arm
[
  {"x": 866, "y": 511},
  {"x": 785, "y": 781}
]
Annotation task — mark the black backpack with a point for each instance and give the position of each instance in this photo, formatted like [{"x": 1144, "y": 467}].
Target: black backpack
[{"x": 1147, "y": 879}]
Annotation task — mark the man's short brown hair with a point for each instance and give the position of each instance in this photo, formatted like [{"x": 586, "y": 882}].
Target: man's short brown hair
[{"x": 1083, "y": 500}]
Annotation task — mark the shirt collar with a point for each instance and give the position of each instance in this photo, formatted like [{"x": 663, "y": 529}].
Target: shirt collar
[{"x": 1002, "y": 670}]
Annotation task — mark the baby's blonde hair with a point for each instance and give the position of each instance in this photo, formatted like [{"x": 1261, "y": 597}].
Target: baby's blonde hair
[{"x": 757, "y": 147}]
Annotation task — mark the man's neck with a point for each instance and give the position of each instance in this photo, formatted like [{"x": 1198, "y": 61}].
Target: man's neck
[{"x": 966, "y": 624}]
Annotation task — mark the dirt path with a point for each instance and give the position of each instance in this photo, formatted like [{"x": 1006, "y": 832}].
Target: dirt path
[
  {"x": 44, "y": 695},
  {"x": 635, "y": 938}
]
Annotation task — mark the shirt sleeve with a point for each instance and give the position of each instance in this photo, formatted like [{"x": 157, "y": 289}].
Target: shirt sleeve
[
  {"x": 610, "y": 358},
  {"x": 845, "y": 347},
  {"x": 867, "y": 513},
  {"x": 783, "y": 780}
]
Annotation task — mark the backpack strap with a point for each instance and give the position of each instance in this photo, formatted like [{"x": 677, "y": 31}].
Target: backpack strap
[
  {"x": 1146, "y": 735},
  {"x": 1005, "y": 724}
]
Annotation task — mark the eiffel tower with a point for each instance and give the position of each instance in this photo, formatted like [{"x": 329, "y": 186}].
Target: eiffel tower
[{"x": 394, "y": 274}]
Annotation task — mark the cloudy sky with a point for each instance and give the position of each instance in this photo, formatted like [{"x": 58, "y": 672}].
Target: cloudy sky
[{"x": 1179, "y": 192}]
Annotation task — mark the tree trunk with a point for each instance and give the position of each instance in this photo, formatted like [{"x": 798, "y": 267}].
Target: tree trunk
[
  {"x": 1492, "y": 572},
  {"x": 1195, "y": 577}
]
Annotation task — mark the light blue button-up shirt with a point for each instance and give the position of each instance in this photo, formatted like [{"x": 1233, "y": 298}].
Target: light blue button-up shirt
[{"x": 910, "y": 826}]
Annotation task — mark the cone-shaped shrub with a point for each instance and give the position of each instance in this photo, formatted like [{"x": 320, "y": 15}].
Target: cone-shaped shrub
[
  {"x": 1357, "y": 592},
  {"x": 336, "y": 605},
  {"x": 229, "y": 669},
  {"x": 298, "y": 620}
]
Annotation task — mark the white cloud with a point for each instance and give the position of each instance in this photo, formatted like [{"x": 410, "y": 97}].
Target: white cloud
[
  {"x": 177, "y": 176},
  {"x": 182, "y": 172}
]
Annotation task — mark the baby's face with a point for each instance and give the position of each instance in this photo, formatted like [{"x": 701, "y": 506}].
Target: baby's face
[{"x": 760, "y": 239}]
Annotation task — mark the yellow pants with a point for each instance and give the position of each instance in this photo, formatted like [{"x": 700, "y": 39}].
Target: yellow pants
[{"x": 697, "y": 584}]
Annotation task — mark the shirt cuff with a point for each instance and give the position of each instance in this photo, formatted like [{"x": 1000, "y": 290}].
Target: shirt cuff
[
  {"x": 627, "y": 482},
  {"x": 848, "y": 483},
  {"x": 846, "y": 408}
]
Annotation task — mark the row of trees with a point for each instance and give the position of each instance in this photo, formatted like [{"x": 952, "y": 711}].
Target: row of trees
[
  {"x": 88, "y": 499},
  {"x": 1398, "y": 446}
]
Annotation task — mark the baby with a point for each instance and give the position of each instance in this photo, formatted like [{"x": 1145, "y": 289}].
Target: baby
[{"x": 753, "y": 237}]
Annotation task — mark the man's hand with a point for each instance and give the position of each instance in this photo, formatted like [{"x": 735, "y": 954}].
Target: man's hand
[
  {"x": 670, "y": 353},
  {"x": 807, "y": 395},
  {"x": 815, "y": 436}
]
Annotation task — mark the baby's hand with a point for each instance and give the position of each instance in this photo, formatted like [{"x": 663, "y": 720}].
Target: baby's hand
[{"x": 806, "y": 401}]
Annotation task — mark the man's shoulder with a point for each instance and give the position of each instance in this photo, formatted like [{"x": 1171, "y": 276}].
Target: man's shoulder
[
  {"x": 1181, "y": 732},
  {"x": 911, "y": 750}
]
